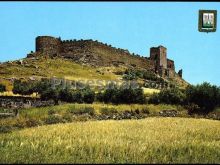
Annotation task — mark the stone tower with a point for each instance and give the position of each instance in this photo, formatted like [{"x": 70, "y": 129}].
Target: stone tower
[
  {"x": 159, "y": 56},
  {"x": 48, "y": 45}
]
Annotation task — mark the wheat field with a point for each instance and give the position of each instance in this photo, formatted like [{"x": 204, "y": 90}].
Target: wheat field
[{"x": 151, "y": 140}]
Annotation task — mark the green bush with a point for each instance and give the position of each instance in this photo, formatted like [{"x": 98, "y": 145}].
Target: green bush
[
  {"x": 5, "y": 129},
  {"x": 2, "y": 88},
  {"x": 192, "y": 108},
  {"x": 83, "y": 110},
  {"x": 51, "y": 112},
  {"x": 31, "y": 122},
  {"x": 145, "y": 111},
  {"x": 168, "y": 96},
  {"x": 108, "y": 111},
  {"x": 122, "y": 95},
  {"x": 85, "y": 95},
  {"x": 20, "y": 122},
  {"x": 65, "y": 95},
  {"x": 53, "y": 119},
  {"x": 23, "y": 87},
  {"x": 67, "y": 117},
  {"x": 88, "y": 95},
  {"x": 77, "y": 96},
  {"x": 51, "y": 94},
  {"x": 206, "y": 96}
]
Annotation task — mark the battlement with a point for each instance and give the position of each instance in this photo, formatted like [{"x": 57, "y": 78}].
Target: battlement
[{"x": 102, "y": 54}]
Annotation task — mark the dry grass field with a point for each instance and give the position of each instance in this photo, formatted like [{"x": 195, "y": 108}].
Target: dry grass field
[{"x": 151, "y": 140}]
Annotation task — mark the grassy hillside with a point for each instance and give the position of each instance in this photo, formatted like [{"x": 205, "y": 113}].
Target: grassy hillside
[
  {"x": 152, "y": 140},
  {"x": 36, "y": 68},
  {"x": 49, "y": 67}
]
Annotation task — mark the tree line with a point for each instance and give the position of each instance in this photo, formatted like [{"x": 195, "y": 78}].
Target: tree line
[{"x": 197, "y": 98}]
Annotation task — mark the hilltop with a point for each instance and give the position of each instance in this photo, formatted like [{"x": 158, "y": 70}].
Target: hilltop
[{"x": 87, "y": 59}]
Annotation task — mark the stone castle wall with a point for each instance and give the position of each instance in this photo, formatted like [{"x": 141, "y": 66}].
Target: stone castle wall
[
  {"x": 48, "y": 45},
  {"x": 51, "y": 45},
  {"x": 83, "y": 51},
  {"x": 170, "y": 64},
  {"x": 163, "y": 66}
]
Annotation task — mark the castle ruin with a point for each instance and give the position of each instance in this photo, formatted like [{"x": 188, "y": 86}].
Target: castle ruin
[
  {"x": 163, "y": 66},
  {"x": 83, "y": 51}
]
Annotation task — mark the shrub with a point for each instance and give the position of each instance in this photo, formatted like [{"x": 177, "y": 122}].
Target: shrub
[
  {"x": 88, "y": 95},
  {"x": 83, "y": 110},
  {"x": 206, "y": 96},
  {"x": 67, "y": 117},
  {"x": 30, "y": 122},
  {"x": 145, "y": 111},
  {"x": 23, "y": 88},
  {"x": 192, "y": 108},
  {"x": 122, "y": 95},
  {"x": 65, "y": 95},
  {"x": 5, "y": 128},
  {"x": 41, "y": 86},
  {"x": 85, "y": 95},
  {"x": 154, "y": 99},
  {"x": 51, "y": 94},
  {"x": 77, "y": 96},
  {"x": 20, "y": 122},
  {"x": 53, "y": 119},
  {"x": 2, "y": 88},
  {"x": 51, "y": 112},
  {"x": 99, "y": 97},
  {"x": 168, "y": 96},
  {"x": 137, "y": 111},
  {"x": 108, "y": 111}
]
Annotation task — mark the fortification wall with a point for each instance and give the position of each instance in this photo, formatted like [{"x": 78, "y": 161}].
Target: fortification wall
[
  {"x": 154, "y": 52},
  {"x": 170, "y": 64},
  {"x": 48, "y": 45},
  {"x": 91, "y": 52}
]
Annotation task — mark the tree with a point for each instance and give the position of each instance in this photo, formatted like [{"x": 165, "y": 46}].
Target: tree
[
  {"x": 41, "y": 86},
  {"x": 51, "y": 94},
  {"x": 66, "y": 95},
  {"x": 77, "y": 96},
  {"x": 88, "y": 95},
  {"x": 22, "y": 87},
  {"x": 2, "y": 88},
  {"x": 206, "y": 96},
  {"x": 126, "y": 95},
  {"x": 168, "y": 96}
]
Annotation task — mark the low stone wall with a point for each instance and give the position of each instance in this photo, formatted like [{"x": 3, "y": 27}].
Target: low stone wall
[{"x": 22, "y": 102}]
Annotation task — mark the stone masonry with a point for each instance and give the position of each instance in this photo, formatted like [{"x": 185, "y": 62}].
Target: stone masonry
[{"x": 81, "y": 51}]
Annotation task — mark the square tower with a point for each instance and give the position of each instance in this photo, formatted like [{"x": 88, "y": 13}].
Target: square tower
[{"x": 159, "y": 56}]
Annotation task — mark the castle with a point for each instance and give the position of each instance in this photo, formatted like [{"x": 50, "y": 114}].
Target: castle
[
  {"x": 163, "y": 65},
  {"x": 91, "y": 52}
]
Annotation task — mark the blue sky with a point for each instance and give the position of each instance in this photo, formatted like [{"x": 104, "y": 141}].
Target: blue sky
[{"x": 135, "y": 26}]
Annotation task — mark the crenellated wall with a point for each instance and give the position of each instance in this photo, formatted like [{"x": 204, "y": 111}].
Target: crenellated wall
[{"x": 96, "y": 53}]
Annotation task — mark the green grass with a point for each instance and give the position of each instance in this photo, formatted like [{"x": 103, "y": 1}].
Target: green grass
[
  {"x": 42, "y": 112},
  {"x": 58, "y": 67},
  {"x": 33, "y": 117},
  {"x": 151, "y": 140}
]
